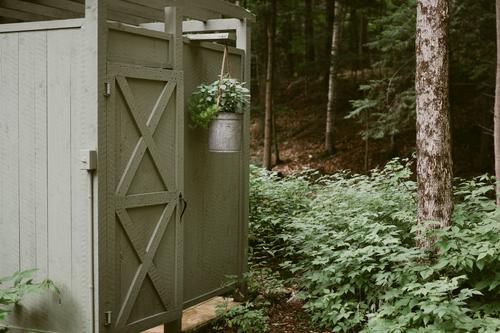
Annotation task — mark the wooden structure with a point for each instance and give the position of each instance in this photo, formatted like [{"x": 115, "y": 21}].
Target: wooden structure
[{"x": 98, "y": 160}]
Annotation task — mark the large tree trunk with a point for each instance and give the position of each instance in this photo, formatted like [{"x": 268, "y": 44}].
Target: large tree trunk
[
  {"x": 497, "y": 109},
  {"x": 268, "y": 120},
  {"x": 332, "y": 81},
  {"x": 434, "y": 161}
]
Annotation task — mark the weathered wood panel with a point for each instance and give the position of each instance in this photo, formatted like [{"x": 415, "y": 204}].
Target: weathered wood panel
[
  {"x": 138, "y": 46},
  {"x": 9, "y": 141},
  {"x": 143, "y": 196},
  {"x": 43, "y": 186},
  {"x": 212, "y": 220}
]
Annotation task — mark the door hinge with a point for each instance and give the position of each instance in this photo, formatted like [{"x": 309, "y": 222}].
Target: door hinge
[
  {"x": 107, "y": 318},
  {"x": 88, "y": 160},
  {"x": 107, "y": 89}
]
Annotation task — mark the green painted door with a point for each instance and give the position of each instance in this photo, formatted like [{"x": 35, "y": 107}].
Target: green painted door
[{"x": 144, "y": 186}]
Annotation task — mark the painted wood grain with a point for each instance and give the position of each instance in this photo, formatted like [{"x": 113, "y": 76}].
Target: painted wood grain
[
  {"x": 27, "y": 132},
  {"x": 39, "y": 50},
  {"x": 9, "y": 88},
  {"x": 60, "y": 247}
]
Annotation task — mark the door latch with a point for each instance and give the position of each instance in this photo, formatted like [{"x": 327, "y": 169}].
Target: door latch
[
  {"x": 107, "y": 89},
  {"x": 184, "y": 204},
  {"x": 107, "y": 318}
]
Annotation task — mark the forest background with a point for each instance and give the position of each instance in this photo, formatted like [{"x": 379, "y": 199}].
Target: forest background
[{"x": 373, "y": 103}]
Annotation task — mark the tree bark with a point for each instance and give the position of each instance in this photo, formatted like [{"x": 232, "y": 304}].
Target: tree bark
[
  {"x": 277, "y": 159},
  {"x": 332, "y": 81},
  {"x": 268, "y": 120},
  {"x": 497, "y": 108},
  {"x": 434, "y": 160},
  {"x": 309, "y": 32}
]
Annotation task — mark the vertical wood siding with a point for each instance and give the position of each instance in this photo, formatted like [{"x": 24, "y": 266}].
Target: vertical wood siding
[
  {"x": 212, "y": 221},
  {"x": 42, "y": 224}
]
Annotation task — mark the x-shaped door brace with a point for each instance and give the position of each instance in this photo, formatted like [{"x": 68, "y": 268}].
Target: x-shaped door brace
[{"x": 145, "y": 253}]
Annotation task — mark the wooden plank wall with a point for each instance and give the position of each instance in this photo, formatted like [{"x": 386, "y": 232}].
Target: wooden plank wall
[
  {"x": 212, "y": 222},
  {"x": 44, "y": 207}
]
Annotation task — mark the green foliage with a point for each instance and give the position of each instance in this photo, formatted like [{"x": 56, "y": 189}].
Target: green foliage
[
  {"x": 273, "y": 203},
  {"x": 389, "y": 102},
  {"x": 244, "y": 318},
  {"x": 230, "y": 93},
  {"x": 14, "y": 288},
  {"x": 350, "y": 243}
]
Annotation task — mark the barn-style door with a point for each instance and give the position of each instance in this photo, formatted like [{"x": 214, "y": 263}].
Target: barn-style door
[{"x": 144, "y": 172}]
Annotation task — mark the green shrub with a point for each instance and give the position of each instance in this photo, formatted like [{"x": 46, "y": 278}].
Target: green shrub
[
  {"x": 232, "y": 95},
  {"x": 273, "y": 203},
  {"x": 349, "y": 241},
  {"x": 14, "y": 288},
  {"x": 244, "y": 318}
]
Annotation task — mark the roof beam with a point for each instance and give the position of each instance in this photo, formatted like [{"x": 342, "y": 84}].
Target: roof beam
[
  {"x": 71, "y": 6},
  {"x": 219, "y": 6},
  {"x": 139, "y": 10},
  {"x": 21, "y": 16},
  {"x": 211, "y": 25},
  {"x": 33, "y": 8},
  {"x": 212, "y": 37}
]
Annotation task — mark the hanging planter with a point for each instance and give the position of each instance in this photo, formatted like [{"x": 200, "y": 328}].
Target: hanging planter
[
  {"x": 225, "y": 132},
  {"x": 220, "y": 107}
]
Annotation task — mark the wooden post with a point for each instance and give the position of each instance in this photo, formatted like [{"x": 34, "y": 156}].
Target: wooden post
[
  {"x": 94, "y": 34},
  {"x": 243, "y": 41},
  {"x": 173, "y": 25}
]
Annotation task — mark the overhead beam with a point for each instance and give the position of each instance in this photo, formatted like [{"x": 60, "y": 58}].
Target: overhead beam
[
  {"x": 71, "y": 6},
  {"x": 212, "y": 37},
  {"x": 211, "y": 25},
  {"x": 222, "y": 7},
  {"x": 21, "y": 16},
  {"x": 33, "y": 8},
  {"x": 138, "y": 10}
]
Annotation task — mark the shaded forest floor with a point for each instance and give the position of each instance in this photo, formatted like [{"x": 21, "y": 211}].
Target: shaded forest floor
[
  {"x": 284, "y": 317},
  {"x": 300, "y": 117}
]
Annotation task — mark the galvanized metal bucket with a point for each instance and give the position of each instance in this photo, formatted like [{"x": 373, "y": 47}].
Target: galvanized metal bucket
[{"x": 225, "y": 132}]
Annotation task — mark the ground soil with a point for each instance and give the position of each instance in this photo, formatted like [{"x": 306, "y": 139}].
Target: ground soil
[
  {"x": 289, "y": 317},
  {"x": 284, "y": 317}
]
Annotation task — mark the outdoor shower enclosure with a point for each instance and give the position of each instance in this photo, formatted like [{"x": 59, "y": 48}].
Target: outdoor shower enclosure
[{"x": 104, "y": 186}]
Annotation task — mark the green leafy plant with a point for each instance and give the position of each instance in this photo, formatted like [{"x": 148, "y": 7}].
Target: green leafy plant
[
  {"x": 243, "y": 318},
  {"x": 349, "y": 243},
  {"x": 225, "y": 95},
  {"x": 14, "y": 288}
]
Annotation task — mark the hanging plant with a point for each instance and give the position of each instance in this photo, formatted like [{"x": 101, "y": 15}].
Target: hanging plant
[
  {"x": 219, "y": 107},
  {"x": 224, "y": 95}
]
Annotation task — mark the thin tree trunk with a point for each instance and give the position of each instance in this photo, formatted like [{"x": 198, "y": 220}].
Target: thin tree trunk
[
  {"x": 497, "y": 108},
  {"x": 332, "y": 82},
  {"x": 309, "y": 32},
  {"x": 271, "y": 27},
  {"x": 367, "y": 140},
  {"x": 289, "y": 33},
  {"x": 330, "y": 18},
  {"x": 277, "y": 158},
  {"x": 434, "y": 161}
]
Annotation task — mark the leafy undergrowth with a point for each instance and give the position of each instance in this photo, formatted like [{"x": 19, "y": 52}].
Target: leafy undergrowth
[{"x": 346, "y": 243}]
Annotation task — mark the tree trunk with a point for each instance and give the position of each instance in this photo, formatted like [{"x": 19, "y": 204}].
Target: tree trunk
[
  {"x": 330, "y": 17},
  {"x": 288, "y": 47},
  {"x": 497, "y": 109},
  {"x": 309, "y": 32},
  {"x": 434, "y": 161},
  {"x": 332, "y": 81},
  {"x": 268, "y": 120},
  {"x": 277, "y": 159}
]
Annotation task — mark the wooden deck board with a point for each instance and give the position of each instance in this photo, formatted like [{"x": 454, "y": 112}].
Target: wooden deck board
[{"x": 199, "y": 315}]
